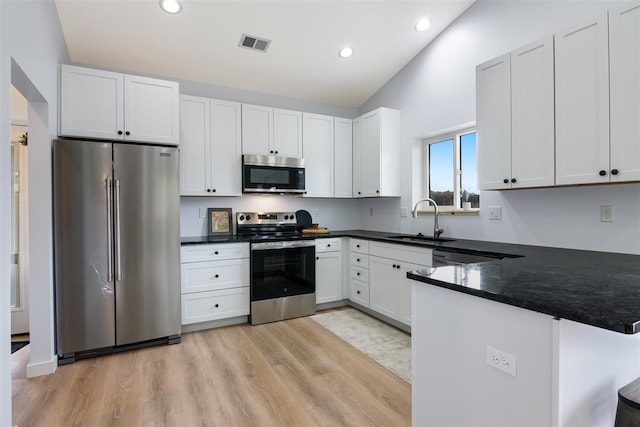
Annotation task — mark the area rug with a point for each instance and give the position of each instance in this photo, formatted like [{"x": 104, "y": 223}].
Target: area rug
[
  {"x": 17, "y": 345},
  {"x": 385, "y": 344}
]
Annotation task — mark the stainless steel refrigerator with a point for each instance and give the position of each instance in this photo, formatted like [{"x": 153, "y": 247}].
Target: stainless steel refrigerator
[{"x": 117, "y": 246}]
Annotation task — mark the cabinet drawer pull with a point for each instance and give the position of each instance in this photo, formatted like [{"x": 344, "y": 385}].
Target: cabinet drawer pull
[
  {"x": 358, "y": 273},
  {"x": 358, "y": 260},
  {"x": 357, "y": 246},
  {"x": 317, "y": 258},
  {"x": 358, "y": 292},
  {"x": 328, "y": 245},
  {"x": 215, "y": 306}
]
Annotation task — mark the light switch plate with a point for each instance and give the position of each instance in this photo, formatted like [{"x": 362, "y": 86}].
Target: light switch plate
[
  {"x": 404, "y": 212},
  {"x": 202, "y": 212}
]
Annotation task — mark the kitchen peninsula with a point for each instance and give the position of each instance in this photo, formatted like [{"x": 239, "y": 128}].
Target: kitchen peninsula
[{"x": 564, "y": 321}]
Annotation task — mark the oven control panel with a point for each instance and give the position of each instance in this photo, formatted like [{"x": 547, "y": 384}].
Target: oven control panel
[{"x": 265, "y": 218}]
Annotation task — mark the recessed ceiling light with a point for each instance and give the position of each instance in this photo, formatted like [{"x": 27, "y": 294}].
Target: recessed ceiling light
[
  {"x": 171, "y": 6},
  {"x": 345, "y": 52},
  {"x": 422, "y": 24}
]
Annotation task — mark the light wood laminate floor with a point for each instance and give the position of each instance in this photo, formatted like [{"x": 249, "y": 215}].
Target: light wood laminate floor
[{"x": 290, "y": 373}]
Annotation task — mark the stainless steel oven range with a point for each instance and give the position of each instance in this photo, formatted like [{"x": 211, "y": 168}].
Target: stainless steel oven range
[{"x": 283, "y": 266}]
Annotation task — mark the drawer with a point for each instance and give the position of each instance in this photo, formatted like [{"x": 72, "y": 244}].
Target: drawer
[
  {"x": 359, "y": 273},
  {"x": 360, "y": 260},
  {"x": 329, "y": 245},
  {"x": 195, "y": 253},
  {"x": 412, "y": 254},
  {"x": 215, "y": 305},
  {"x": 359, "y": 245},
  {"x": 214, "y": 275},
  {"x": 359, "y": 293}
]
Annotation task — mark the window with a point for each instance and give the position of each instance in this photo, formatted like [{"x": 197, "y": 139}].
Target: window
[{"x": 452, "y": 173}]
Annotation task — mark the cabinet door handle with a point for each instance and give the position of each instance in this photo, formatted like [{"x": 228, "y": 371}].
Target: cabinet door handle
[
  {"x": 513, "y": 180},
  {"x": 217, "y": 275},
  {"x": 276, "y": 151},
  {"x": 208, "y": 190},
  {"x": 127, "y": 133},
  {"x": 317, "y": 258},
  {"x": 215, "y": 306},
  {"x": 358, "y": 292},
  {"x": 615, "y": 171},
  {"x": 216, "y": 252},
  {"x": 602, "y": 173},
  {"x": 328, "y": 245},
  {"x": 395, "y": 266},
  {"x": 119, "y": 132},
  {"x": 506, "y": 181}
]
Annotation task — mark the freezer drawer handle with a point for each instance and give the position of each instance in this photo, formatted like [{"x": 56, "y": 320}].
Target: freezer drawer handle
[
  {"x": 109, "y": 187},
  {"x": 117, "y": 229}
]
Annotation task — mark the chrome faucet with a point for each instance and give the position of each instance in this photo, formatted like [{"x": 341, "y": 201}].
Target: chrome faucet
[{"x": 436, "y": 231}]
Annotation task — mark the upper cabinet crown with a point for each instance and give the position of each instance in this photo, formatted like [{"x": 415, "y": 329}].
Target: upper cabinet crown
[
  {"x": 271, "y": 131},
  {"x": 115, "y": 106}
]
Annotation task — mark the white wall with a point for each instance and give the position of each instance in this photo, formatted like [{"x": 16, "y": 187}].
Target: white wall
[
  {"x": 31, "y": 46},
  {"x": 436, "y": 90}
]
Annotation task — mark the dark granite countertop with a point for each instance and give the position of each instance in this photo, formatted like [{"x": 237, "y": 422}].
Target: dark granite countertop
[{"x": 601, "y": 289}]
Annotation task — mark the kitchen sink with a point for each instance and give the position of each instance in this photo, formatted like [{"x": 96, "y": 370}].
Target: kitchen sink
[{"x": 422, "y": 238}]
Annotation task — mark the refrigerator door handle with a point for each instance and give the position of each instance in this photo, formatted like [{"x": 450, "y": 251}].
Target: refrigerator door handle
[
  {"x": 117, "y": 230},
  {"x": 109, "y": 186}
]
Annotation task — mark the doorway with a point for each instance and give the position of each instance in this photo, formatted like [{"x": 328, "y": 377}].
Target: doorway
[{"x": 19, "y": 220}]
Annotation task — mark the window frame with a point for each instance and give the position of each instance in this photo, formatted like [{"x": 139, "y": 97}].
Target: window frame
[{"x": 456, "y": 135}]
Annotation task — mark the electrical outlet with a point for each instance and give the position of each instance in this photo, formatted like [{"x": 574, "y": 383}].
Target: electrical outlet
[
  {"x": 404, "y": 212},
  {"x": 202, "y": 212},
  {"x": 316, "y": 213},
  {"x": 495, "y": 212},
  {"x": 500, "y": 360},
  {"x": 606, "y": 213}
]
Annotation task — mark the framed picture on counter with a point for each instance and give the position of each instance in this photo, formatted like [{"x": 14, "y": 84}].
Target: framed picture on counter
[{"x": 219, "y": 221}]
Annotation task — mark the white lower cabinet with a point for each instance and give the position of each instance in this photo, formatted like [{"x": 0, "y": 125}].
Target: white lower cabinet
[
  {"x": 214, "y": 281},
  {"x": 359, "y": 271},
  {"x": 328, "y": 270},
  {"x": 215, "y": 305},
  {"x": 389, "y": 288}
]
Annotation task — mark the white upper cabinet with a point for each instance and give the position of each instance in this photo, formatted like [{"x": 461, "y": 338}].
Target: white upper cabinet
[
  {"x": 357, "y": 157},
  {"x": 115, "y": 106},
  {"x": 343, "y": 157},
  {"x": 318, "y": 150},
  {"x": 582, "y": 103},
  {"x": 377, "y": 154},
  {"x": 493, "y": 123},
  {"x": 210, "y": 151},
  {"x": 287, "y": 133},
  {"x": 269, "y": 131},
  {"x": 532, "y": 116},
  {"x": 624, "y": 54}
]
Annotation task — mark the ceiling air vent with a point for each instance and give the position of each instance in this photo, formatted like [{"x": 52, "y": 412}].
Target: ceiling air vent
[{"x": 254, "y": 43}]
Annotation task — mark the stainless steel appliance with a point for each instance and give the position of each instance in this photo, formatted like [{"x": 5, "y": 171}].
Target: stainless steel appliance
[
  {"x": 272, "y": 174},
  {"x": 117, "y": 246},
  {"x": 283, "y": 266}
]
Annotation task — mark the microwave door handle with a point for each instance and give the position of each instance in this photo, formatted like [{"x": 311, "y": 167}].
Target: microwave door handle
[{"x": 109, "y": 189}]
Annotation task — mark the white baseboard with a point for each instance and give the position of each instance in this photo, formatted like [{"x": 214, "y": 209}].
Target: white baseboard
[{"x": 42, "y": 368}]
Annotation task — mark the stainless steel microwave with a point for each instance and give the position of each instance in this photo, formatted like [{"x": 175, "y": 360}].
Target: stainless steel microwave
[{"x": 272, "y": 174}]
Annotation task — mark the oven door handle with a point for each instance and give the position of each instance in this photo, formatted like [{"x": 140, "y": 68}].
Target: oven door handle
[{"x": 263, "y": 246}]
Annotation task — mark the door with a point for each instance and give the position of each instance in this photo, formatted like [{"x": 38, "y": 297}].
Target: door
[
  {"x": 82, "y": 241},
  {"x": 371, "y": 154},
  {"x": 91, "y": 103},
  {"x": 225, "y": 150},
  {"x": 493, "y": 110},
  {"x": 287, "y": 133},
  {"x": 147, "y": 242},
  {"x": 19, "y": 229},
  {"x": 624, "y": 54},
  {"x": 532, "y": 115},
  {"x": 195, "y": 135},
  {"x": 151, "y": 110},
  {"x": 582, "y": 103},
  {"x": 257, "y": 129},
  {"x": 318, "y": 155}
]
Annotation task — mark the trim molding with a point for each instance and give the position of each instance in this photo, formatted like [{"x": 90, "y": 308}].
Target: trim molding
[{"x": 42, "y": 368}]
